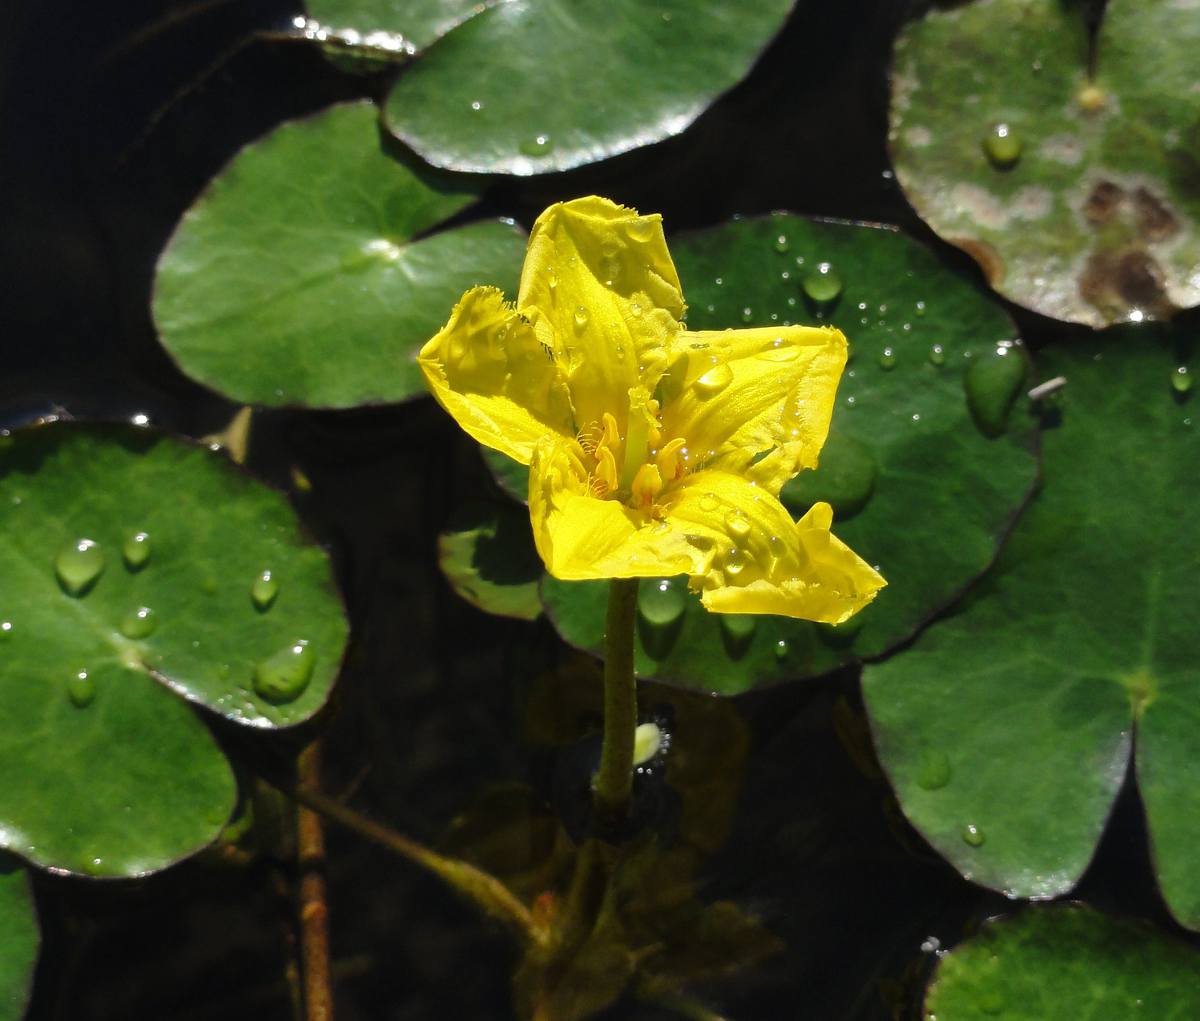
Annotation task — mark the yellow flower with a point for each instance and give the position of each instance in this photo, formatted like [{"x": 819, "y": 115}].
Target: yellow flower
[{"x": 653, "y": 450}]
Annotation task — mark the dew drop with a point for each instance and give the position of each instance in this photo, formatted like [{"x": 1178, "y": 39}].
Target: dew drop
[
  {"x": 937, "y": 355},
  {"x": 1002, "y": 146},
  {"x": 551, "y": 278},
  {"x": 747, "y": 314},
  {"x": 79, "y": 565},
  {"x": 738, "y": 626},
  {"x": 538, "y": 145},
  {"x": 661, "y": 601},
  {"x": 992, "y": 382},
  {"x": 81, "y": 690},
  {"x": 735, "y": 562},
  {"x": 581, "y": 317},
  {"x": 933, "y": 769},
  {"x": 919, "y": 308},
  {"x": 737, "y": 525},
  {"x": 136, "y": 550},
  {"x": 780, "y": 648},
  {"x": 1181, "y": 380},
  {"x": 139, "y": 623},
  {"x": 282, "y": 676},
  {"x": 822, "y": 284},
  {"x": 782, "y": 244},
  {"x": 887, "y": 358},
  {"x": 6, "y": 630},
  {"x": 973, "y": 835},
  {"x": 264, "y": 590},
  {"x": 714, "y": 380},
  {"x": 476, "y": 105}
]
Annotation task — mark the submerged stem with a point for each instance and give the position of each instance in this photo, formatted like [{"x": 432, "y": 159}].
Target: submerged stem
[
  {"x": 613, "y": 783},
  {"x": 314, "y": 911}
]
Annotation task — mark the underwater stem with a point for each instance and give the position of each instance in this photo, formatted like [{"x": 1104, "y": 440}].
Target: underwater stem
[
  {"x": 613, "y": 783},
  {"x": 314, "y": 911},
  {"x": 485, "y": 890}
]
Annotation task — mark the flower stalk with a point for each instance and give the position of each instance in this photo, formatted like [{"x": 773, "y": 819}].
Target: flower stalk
[{"x": 612, "y": 786}]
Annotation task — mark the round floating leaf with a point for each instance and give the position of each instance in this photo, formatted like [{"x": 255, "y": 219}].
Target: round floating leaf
[
  {"x": 1006, "y": 729},
  {"x": 388, "y": 28},
  {"x": 19, "y": 938},
  {"x": 134, "y": 568},
  {"x": 529, "y": 87},
  {"x": 1080, "y": 199},
  {"x": 917, "y": 486},
  {"x": 296, "y": 279},
  {"x": 511, "y": 476},
  {"x": 488, "y": 557},
  {"x": 1065, "y": 962}
]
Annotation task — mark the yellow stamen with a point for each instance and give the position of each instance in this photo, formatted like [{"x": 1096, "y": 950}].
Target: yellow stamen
[
  {"x": 647, "y": 484},
  {"x": 669, "y": 463},
  {"x": 606, "y": 468}
]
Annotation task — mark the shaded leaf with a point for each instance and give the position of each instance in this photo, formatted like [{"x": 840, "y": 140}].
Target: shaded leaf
[
  {"x": 304, "y": 276},
  {"x": 19, "y": 938},
  {"x": 487, "y": 555}
]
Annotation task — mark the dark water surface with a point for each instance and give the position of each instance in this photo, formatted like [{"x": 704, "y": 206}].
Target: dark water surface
[{"x": 109, "y": 139}]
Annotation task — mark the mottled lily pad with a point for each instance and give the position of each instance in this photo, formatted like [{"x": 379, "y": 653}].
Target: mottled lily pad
[
  {"x": 19, "y": 938},
  {"x": 306, "y": 274},
  {"x": 531, "y": 86},
  {"x": 920, "y": 485},
  {"x": 1066, "y": 961},
  {"x": 138, "y": 569},
  {"x": 1007, "y": 728},
  {"x": 487, "y": 555},
  {"x": 1079, "y": 197}
]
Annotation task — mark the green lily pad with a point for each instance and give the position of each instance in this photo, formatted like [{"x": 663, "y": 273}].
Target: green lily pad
[
  {"x": 511, "y": 476},
  {"x": 139, "y": 569},
  {"x": 1066, "y": 961},
  {"x": 530, "y": 87},
  {"x": 304, "y": 275},
  {"x": 1079, "y": 198},
  {"x": 918, "y": 485},
  {"x": 384, "y": 29},
  {"x": 19, "y": 938},
  {"x": 1006, "y": 729},
  {"x": 487, "y": 555}
]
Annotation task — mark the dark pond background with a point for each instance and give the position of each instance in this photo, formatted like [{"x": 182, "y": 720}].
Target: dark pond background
[{"x": 115, "y": 116}]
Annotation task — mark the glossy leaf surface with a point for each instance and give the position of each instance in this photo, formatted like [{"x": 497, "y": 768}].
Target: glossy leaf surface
[
  {"x": 306, "y": 275},
  {"x": 918, "y": 487},
  {"x": 532, "y": 86},
  {"x": 1006, "y": 729},
  {"x": 1079, "y": 197}
]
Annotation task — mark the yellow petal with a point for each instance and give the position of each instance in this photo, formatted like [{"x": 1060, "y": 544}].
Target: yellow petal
[
  {"x": 746, "y": 392},
  {"x": 762, "y": 561},
  {"x": 600, "y": 288},
  {"x": 488, "y": 370},
  {"x": 580, "y": 536}
]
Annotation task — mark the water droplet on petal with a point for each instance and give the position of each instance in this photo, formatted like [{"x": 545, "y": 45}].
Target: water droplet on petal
[
  {"x": 992, "y": 382},
  {"x": 937, "y": 355},
  {"x": 264, "y": 590},
  {"x": 737, "y": 525},
  {"x": 136, "y": 550},
  {"x": 973, "y": 835},
  {"x": 1181, "y": 380},
  {"x": 714, "y": 380},
  {"x": 661, "y": 601},
  {"x": 1002, "y": 146},
  {"x": 139, "y": 623},
  {"x": 283, "y": 676},
  {"x": 581, "y": 317},
  {"x": 822, "y": 284},
  {"x": 735, "y": 562},
  {"x": 887, "y": 358},
  {"x": 933, "y": 769},
  {"x": 81, "y": 690},
  {"x": 79, "y": 565}
]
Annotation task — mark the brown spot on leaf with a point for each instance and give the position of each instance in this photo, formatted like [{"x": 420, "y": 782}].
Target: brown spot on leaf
[
  {"x": 1104, "y": 201},
  {"x": 1155, "y": 220},
  {"x": 984, "y": 254},
  {"x": 1121, "y": 281}
]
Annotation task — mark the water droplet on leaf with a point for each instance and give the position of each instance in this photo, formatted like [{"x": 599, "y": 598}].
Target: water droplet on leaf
[
  {"x": 538, "y": 145},
  {"x": 283, "y": 676},
  {"x": 822, "y": 284},
  {"x": 887, "y": 358},
  {"x": 1181, "y": 380},
  {"x": 139, "y": 623},
  {"x": 661, "y": 601},
  {"x": 136, "y": 550},
  {"x": 782, "y": 244},
  {"x": 6, "y": 630},
  {"x": 1002, "y": 146},
  {"x": 933, "y": 769},
  {"x": 973, "y": 835},
  {"x": 937, "y": 355},
  {"x": 780, "y": 648},
  {"x": 264, "y": 590},
  {"x": 844, "y": 479},
  {"x": 81, "y": 690},
  {"x": 992, "y": 382},
  {"x": 79, "y": 565}
]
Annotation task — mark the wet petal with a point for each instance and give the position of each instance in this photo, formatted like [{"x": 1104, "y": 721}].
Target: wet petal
[
  {"x": 487, "y": 368},
  {"x": 747, "y": 394},
  {"x": 580, "y": 536},
  {"x": 600, "y": 288},
  {"x": 762, "y": 561}
]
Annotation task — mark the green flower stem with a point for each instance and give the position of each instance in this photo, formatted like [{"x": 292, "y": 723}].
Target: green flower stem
[{"x": 613, "y": 783}]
